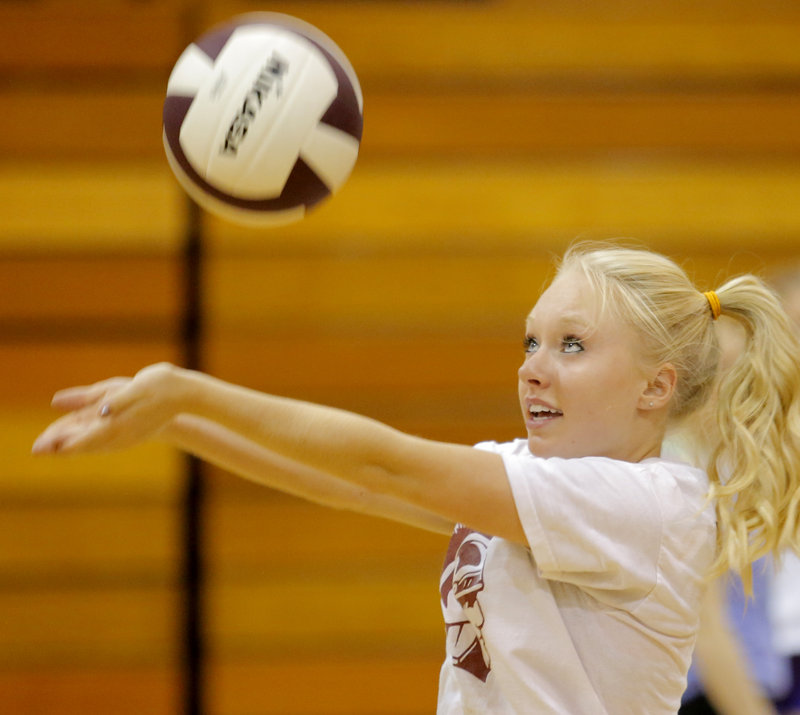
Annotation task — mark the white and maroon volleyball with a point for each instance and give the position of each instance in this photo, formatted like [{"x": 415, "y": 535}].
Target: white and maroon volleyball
[{"x": 262, "y": 119}]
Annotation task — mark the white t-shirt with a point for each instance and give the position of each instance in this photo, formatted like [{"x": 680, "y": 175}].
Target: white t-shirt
[{"x": 599, "y": 614}]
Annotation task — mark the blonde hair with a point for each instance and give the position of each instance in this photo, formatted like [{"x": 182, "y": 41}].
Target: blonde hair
[{"x": 754, "y": 465}]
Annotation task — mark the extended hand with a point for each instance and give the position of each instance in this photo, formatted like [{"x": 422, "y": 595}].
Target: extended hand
[{"x": 111, "y": 414}]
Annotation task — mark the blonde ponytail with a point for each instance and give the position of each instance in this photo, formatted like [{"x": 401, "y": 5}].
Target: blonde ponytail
[{"x": 755, "y": 465}]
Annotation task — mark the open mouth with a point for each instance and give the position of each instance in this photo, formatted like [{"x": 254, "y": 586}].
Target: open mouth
[{"x": 540, "y": 414}]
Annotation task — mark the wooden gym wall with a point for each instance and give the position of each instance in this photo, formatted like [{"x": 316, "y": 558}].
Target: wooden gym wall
[{"x": 495, "y": 133}]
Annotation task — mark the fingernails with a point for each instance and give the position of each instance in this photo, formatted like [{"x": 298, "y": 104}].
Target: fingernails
[{"x": 105, "y": 410}]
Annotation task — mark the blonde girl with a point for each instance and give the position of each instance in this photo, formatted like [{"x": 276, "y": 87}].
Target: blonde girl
[{"x": 578, "y": 555}]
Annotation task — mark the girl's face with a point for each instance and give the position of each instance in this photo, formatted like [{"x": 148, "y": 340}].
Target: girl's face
[{"x": 582, "y": 386}]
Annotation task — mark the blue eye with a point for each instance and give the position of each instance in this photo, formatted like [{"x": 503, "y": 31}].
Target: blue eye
[
  {"x": 530, "y": 344},
  {"x": 572, "y": 345}
]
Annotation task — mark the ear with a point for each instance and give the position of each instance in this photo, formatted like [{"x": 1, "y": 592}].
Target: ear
[{"x": 659, "y": 389}]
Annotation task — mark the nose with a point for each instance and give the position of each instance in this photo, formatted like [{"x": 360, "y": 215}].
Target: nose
[{"x": 534, "y": 369}]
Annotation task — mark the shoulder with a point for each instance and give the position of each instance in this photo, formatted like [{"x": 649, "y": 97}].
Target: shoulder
[
  {"x": 518, "y": 457},
  {"x": 653, "y": 491}
]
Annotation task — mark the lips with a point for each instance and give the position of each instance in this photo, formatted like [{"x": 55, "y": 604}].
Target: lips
[{"x": 541, "y": 413}]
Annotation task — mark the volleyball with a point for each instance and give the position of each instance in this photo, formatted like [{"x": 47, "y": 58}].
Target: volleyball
[{"x": 262, "y": 119}]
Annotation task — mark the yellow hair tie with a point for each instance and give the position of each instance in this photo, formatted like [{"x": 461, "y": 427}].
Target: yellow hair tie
[{"x": 714, "y": 304}]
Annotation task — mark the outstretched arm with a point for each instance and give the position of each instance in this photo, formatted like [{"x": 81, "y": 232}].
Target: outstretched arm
[
  {"x": 218, "y": 445},
  {"x": 453, "y": 482}
]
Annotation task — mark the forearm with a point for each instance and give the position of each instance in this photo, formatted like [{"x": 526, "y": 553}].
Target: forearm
[
  {"x": 724, "y": 670},
  {"x": 455, "y": 483},
  {"x": 224, "y": 448},
  {"x": 356, "y": 449},
  {"x": 731, "y": 688}
]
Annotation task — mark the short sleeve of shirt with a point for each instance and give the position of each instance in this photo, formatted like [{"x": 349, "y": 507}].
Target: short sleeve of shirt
[{"x": 593, "y": 522}]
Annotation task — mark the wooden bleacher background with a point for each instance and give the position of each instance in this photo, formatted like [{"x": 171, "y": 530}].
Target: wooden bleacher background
[{"x": 495, "y": 133}]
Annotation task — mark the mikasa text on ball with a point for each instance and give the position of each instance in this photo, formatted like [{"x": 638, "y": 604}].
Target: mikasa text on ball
[{"x": 262, "y": 119}]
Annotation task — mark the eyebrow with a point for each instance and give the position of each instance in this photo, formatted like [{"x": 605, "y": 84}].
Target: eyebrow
[{"x": 569, "y": 320}]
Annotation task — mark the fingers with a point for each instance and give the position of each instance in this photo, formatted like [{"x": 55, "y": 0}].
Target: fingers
[
  {"x": 95, "y": 437},
  {"x": 52, "y": 440},
  {"x": 75, "y": 398},
  {"x": 46, "y": 443},
  {"x": 111, "y": 414},
  {"x": 76, "y": 432},
  {"x": 80, "y": 404},
  {"x": 117, "y": 400}
]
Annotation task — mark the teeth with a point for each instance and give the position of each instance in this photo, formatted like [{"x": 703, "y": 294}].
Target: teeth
[{"x": 539, "y": 409}]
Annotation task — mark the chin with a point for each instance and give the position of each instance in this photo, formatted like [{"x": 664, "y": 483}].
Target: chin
[
  {"x": 546, "y": 450},
  {"x": 540, "y": 449}
]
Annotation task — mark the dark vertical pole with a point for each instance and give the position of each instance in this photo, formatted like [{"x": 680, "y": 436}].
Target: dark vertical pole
[
  {"x": 192, "y": 576},
  {"x": 193, "y": 653}
]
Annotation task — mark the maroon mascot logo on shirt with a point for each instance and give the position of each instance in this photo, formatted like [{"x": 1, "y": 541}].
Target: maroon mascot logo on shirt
[{"x": 460, "y": 588}]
